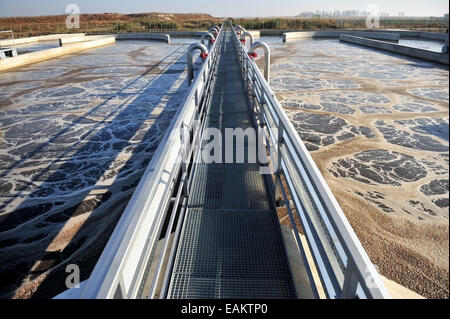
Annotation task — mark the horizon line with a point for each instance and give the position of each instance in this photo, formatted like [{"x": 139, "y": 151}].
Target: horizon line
[{"x": 239, "y": 17}]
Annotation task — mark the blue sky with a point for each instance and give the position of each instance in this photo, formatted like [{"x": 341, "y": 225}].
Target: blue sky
[{"x": 221, "y": 8}]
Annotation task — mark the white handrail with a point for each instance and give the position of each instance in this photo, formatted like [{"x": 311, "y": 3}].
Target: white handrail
[
  {"x": 120, "y": 269},
  {"x": 324, "y": 217}
]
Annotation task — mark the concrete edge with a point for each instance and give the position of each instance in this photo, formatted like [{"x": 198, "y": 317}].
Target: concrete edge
[
  {"x": 397, "y": 48},
  {"x": 33, "y": 57},
  {"x": 389, "y": 36},
  {"x": 143, "y": 36},
  {"x": 396, "y": 290},
  {"x": 255, "y": 33},
  {"x": 63, "y": 41},
  {"x": 42, "y": 38}
]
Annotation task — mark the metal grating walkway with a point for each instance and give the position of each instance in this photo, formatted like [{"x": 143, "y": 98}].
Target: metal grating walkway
[{"x": 231, "y": 244}]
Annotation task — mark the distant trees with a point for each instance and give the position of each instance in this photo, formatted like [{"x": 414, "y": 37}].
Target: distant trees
[
  {"x": 114, "y": 22},
  {"x": 145, "y": 24},
  {"x": 292, "y": 24}
]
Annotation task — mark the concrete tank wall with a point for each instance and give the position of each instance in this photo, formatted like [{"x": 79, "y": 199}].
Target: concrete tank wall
[
  {"x": 51, "y": 37},
  {"x": 418, "y": 34},
  {"x": 432, "y": 36},
  {"x": 43, "y": 55},
  {"x": 396, "y": 48},
  {"x": 143, "y": 36},
  {"x": 63, "y": 41},
  {"x": 255, "y": 33},
  {"x": 389, "y": 36}
]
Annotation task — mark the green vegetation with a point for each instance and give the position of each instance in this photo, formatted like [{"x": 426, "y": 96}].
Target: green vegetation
[
  {"x": 435, "y": 24},
  {"x": 287, "y": 24},
  {"x": 147, "y": 22}
]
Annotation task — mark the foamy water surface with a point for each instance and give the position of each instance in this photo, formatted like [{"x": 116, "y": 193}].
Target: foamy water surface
[{"x": 76, "y": 134}]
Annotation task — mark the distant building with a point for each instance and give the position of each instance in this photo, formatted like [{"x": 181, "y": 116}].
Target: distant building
[
  {"x": 401, "y": 14},
  {"x": 344, "y": 13}
]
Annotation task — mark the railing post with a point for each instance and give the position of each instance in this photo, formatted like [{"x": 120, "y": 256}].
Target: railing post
[
  {"x": 280, "y": 141},
  {"x": 350, "y": 282},
  {"x": 253, "y": 95},
  {"x": 184, "y": 152},
  {"x": 196, "y": 98}
]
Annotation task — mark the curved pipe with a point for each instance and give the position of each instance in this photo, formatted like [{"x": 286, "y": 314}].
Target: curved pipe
[
  {"x": 206, "y": 35},
  {"x": 266, "y": 49},
  {"x": 190, "y": 62},
  {"x": 240, "y": 28},
  {"x": 213, "y": 31},
  {"x": 248, "y": 34}
]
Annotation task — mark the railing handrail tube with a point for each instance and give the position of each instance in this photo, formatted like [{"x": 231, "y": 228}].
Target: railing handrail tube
[
  {"x": 356, "y": 255},
  {"x": 107, "y": 273}
]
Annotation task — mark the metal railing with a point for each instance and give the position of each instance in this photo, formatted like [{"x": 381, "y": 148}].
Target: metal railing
[
  {"x": 123, "y": 267},
  {"x": 158, "y": 205},
  {"x": 343, "y": 266}
]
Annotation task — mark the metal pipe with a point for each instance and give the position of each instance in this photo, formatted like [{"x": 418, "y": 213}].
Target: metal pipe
[
  {"x": 248, "y": 34},
  {"x": 190, "y": 62},
  {"x": 214, "y": 31},
  {"x": 207, "y": 35},
  {"x": 240, "y": 28},
  {"x": 266, "y": 49}
]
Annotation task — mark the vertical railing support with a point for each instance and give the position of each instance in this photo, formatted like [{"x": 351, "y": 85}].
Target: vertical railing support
[
  {"x": 184, "y": 139},
  {"x": 350, "y": 283},
  {"x": 280, "y": 142}
]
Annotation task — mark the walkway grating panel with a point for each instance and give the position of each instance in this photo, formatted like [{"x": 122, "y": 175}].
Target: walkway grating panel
[
  {"x": 190, "y": 286},
  {"x": 230, "y": 186},
  {"x": 231, "y": 254},
  {"x": 231, "y": 244}
]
